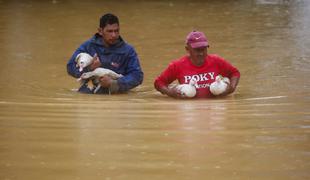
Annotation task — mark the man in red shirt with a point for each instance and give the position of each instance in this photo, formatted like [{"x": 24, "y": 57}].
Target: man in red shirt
[{"x": 201, "y": 66}]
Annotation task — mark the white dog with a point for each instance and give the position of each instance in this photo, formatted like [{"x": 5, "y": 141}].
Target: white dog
[
  {"x": 97, "y": 73},
  {"x": 83, "y": 60}
]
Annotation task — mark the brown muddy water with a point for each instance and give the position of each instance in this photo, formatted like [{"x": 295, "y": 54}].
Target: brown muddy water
[{"x": 262, "y": 131}]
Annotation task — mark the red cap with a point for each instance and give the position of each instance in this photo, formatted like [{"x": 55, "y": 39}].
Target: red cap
[{"x": 197, "y": 39}]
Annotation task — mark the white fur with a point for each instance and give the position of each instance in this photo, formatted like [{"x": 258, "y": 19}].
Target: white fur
[
  {"x": 99, "y": 72},
  {"x": 83, "y": 60},
  {"x": 188, "y": 90},
  {"x": 219, "y": 85}
]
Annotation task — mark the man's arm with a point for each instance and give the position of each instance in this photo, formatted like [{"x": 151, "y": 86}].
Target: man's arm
[
  {"x": 72, "y": 68},
  {"x": 170, "y": 91},
  {"x": 231, "y": 86},
  {"x": 132, "y": 77},
  {"x": 162, "y": 82},
  {"x": 230, "y": 71}
]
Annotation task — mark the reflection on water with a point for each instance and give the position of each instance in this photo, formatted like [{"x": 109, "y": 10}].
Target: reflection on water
[{"x": 260, "y": 132}]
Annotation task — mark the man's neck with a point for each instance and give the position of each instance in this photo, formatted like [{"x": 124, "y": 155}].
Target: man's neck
[{"x": 105, "y": 44}]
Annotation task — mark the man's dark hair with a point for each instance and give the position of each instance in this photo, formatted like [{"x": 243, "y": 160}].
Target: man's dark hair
[{"x": 108, "y": 19}]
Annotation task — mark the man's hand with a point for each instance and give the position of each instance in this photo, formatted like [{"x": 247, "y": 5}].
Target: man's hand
[
  {"x": 228, "y": 90},
  {"x": 172, "y": 92},
  {"x": 231, "y": 86},
  {"x": 96, "y": 63},
  {"x": 105, "y": 81}
]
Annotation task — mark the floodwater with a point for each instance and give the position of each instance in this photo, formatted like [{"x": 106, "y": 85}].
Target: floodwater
[{"x": 262, "y": 131}]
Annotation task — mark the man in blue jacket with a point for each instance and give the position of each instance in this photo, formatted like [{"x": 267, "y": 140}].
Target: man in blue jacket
[{"x": 112, "y": 52}]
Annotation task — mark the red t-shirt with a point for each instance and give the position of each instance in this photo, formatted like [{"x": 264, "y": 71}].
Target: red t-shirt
[{"x": 184, "y": 70}]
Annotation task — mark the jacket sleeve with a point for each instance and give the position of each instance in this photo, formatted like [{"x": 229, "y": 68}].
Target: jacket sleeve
[
  {"x": 134, "y": 74},
  {"x": 72, "y": 69}
]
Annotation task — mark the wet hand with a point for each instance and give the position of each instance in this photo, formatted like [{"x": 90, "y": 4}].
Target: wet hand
[
  {"x": 231, "y": 86},
  {"x": 96, "y": 63},
  {"x": 105, "y": 81},
  {"x": 175, "y": 93},
  {"x": 228, "y": 90}
]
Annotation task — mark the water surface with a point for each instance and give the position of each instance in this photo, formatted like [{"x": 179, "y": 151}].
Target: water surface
[{"x": 48, "y": 131}]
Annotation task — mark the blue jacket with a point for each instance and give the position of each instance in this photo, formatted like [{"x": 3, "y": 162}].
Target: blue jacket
[{"x": 121, "y": 58}]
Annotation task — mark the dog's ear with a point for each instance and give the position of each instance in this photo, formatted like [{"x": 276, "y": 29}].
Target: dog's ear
[
  {"x": 77, "y": 60},
  {"x": 78, "y": 57}
]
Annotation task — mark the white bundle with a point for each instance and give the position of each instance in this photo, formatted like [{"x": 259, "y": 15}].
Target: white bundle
[
  {"x": 188, "y": 90},
  {"x": 83, "y": 60},
  {"x": 219, "y": 85},
  {"x": 97, "y": 73}
]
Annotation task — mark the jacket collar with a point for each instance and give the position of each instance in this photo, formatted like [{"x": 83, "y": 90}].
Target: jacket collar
[{"x": 97, "y": 39}]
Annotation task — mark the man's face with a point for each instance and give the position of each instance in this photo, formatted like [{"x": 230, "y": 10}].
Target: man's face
[
  {"x": 197, "y": 55},
  {"x": 110, "y": 33}
]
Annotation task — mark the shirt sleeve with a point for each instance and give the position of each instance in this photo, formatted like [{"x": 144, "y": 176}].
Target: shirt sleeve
[
  {"x": 227, "y": 69},
  {"x": 166, "y": 77}
]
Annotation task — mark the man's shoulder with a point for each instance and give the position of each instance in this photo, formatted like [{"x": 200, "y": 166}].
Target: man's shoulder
[{"x": 128, "y": 46}]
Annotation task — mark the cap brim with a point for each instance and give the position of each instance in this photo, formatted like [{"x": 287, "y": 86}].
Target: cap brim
[{"x": 199, "y": 44}]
